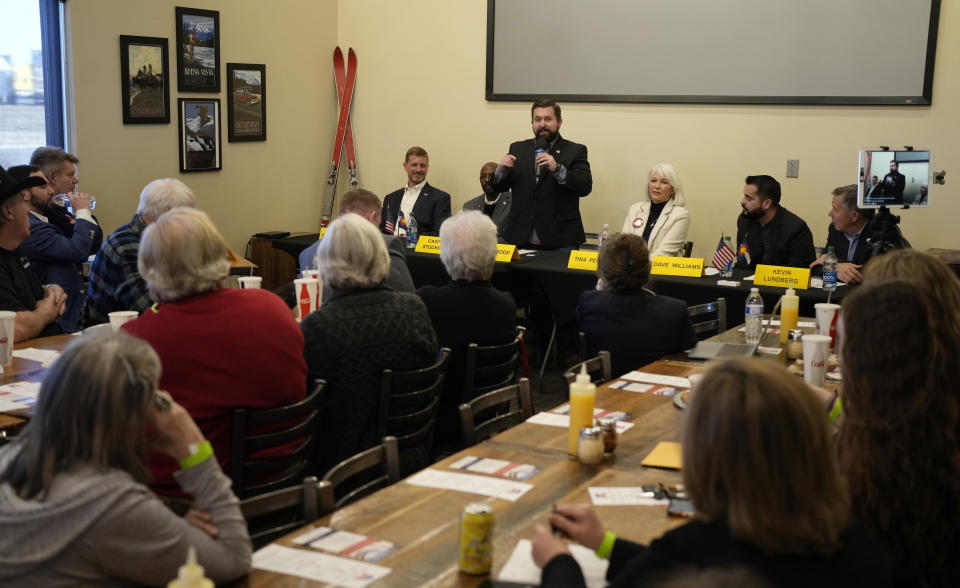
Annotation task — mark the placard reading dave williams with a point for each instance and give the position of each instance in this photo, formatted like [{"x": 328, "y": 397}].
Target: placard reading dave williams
[
  {"x": 147, "y": 79},
  {"x": 247, "y": 103},
  {"x": 198, "y": 50}
]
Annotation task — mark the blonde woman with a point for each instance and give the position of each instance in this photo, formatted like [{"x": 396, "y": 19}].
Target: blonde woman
[{"x": 661, "y": 218}]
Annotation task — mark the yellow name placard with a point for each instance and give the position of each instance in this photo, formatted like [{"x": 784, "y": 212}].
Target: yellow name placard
[
  {"x": 427, "y": 244},
  {"x": 584, "y": 260},
  {"x": 782, "y": 276},
  {"x": 676, "y": 266},
  {"x": 507, "y": 253},
  {"x": 322, "y": 231}
]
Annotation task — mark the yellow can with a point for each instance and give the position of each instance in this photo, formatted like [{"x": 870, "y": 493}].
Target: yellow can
[{"x": 476, "y": 538}]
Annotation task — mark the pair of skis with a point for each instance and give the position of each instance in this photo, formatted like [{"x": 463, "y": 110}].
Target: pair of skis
[{"x": 345, "y": 77}]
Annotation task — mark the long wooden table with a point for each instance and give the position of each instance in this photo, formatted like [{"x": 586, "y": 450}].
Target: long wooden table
[{"x": 27, "y": 370}]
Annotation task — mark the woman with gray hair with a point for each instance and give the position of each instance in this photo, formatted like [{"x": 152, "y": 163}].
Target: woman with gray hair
[
  {"x": 362, "y": 328},
  {"x": 206, "y": 333},
  {"x": 468, "y": 309},
  {"x": 661, "y": 218},
  {"x": 73, "y": 506}
]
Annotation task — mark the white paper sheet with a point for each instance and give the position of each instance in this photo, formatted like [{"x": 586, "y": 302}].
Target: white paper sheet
[
  {"x": 631, "y": 386},
  {"x": 9, "y": 404},
  {"x": 341, "y": 571},
  {"x": 28, "y": 389},
  {"x": 497, "y": 488},
  {"x": 552, "y": 419},
  {"x": 346, "y": 544},
  {"x": 646, "y": 378},
  {"x": 520, "y": 567},
  {"x": 623, "y": 496},
  {"x": 46, "y": 357},
  {"x": 776, "y": 323}
]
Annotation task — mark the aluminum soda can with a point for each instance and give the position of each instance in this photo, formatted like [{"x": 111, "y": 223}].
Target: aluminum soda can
[{"x": 476, "y": 538}]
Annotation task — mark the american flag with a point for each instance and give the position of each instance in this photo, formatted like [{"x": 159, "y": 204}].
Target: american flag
[
  {"x": 388, "y": 225},
  {"x": 723, "y": 255}
]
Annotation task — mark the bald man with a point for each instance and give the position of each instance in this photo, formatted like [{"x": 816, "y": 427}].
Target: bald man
[{"x": 492, "y": 203}]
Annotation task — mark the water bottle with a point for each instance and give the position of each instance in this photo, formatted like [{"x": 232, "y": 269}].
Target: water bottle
[
  {"x": 830, "y": 270},
  {"x": 63, "y": 200},
  {"x": 603, "y": 236},
  {"x": 727, "y": 270},
  {"x": 411, "y": 232},
  {"x": 753, "y": 316}
]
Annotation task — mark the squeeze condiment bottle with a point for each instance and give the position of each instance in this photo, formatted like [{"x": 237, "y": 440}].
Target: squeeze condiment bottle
[
  {"x": 789, "y": 312},
  {"x": 582, "y": 396},
  {"x": 191, "y": 574}
]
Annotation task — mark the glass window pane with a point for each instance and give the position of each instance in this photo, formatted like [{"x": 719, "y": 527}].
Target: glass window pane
[{"x": 21, "y": 82}]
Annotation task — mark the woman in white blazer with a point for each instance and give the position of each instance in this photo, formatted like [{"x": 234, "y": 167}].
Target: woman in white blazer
[{"x": 661, "y": 219}]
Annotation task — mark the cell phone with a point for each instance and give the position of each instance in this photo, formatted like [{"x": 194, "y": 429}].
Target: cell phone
[{"x": 680, "y": 508}]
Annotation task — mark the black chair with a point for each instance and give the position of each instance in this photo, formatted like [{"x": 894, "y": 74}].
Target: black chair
[
  {"x": 298, "y": 421},
  {"x": 491, "y": 367},
  {"x": 711, "y": 326},
  {"x": 598, "y": 367},
  {"x": 473, "y": 432},
  {"x": 687, "y": 248},
  {"x": 408, "y": 410},
  {"x": 360, "y": 472},
  {"x": 279, "y": 512},
  {"x": 587, "y": 246}
]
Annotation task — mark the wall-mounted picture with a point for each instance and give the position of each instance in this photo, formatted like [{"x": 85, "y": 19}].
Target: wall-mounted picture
[
  {"x": 247, "y": 102},
  {"x": 198, "y": 50},
  {"x": 143, "y": 80},
  {"x": 199, "y": 134}
]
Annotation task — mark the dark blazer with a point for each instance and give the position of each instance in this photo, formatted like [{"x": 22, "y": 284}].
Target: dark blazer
[
  {"x": 840, "y": 244},
  {"x": 430, "y": 210},
  {"x": 399, "y": 278},
  {"x": 635, "y": 328},
  {"x": 791, "y": 241},
  {"x": 552, "y": 208},
  {"x": 500, "y": 213}
]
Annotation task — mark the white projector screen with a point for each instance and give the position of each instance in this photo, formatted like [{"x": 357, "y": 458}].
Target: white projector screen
[{"x": 854, "y": 52}]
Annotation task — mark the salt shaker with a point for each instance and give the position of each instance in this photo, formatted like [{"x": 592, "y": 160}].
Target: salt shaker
[{"x": 590, "y": 447}]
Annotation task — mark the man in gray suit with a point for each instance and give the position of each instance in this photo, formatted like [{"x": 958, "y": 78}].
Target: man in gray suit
[
  {"x": 494, "y": 204},
  {"x": 366, "y": 204}
]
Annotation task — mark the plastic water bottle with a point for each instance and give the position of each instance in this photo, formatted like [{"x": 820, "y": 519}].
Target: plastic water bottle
[
  {"x": 603, "y": 236},
  {"x": 64, "y": 201},
  {"x": 753, "y": 316},
  {"x": 412, "y": 234},
  {"x": 830, "y": 270},
  {"x": 727, "y": 270}
]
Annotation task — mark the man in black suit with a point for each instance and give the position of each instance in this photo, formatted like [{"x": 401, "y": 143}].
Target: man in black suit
[
  {"x": 768, "y": 233},
  {"x": 547, "y": 176},
  {"x": 430, "y": 206},
  {"x": 892, "y": 185}
]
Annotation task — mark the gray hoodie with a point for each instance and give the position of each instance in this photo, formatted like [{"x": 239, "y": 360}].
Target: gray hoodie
[{"x": 103, "y": 528}]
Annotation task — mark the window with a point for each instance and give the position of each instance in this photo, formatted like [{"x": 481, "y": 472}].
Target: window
[{"x": 31, "y": 87}]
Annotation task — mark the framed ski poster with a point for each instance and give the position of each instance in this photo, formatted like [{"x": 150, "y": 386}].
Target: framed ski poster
[
  {"x": 246, "y": 102},
  {"x": 198, "y": 50},
  {"x": 199, "y": 126}
]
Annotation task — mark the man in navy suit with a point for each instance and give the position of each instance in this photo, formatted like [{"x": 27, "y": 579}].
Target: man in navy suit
[
  {"x": 547, "y": 176},
  {"x": 430, "y": 206}
]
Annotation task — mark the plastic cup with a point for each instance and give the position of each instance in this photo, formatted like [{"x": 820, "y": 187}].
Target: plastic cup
[
  {"x": 8, "y": 320},
  {"x": 310, "y": 273},
  {"x": 307, "y": 292},
  {"x": 826, "y": 320},
  {"x": 816, "y": 350},
  {"x": 250, "y": 282},
  {"x": 119, "y": 317}
]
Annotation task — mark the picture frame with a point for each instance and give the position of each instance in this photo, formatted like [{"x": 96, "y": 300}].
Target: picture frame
[
  {"x": 246, "y": 102},
  {"x": 198, "y": 50},
  {"x": 201, "y": 148},
  {"x": 144, "y": 80}
]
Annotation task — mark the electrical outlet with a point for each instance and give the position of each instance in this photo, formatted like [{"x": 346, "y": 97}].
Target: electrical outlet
[{"x": 793, "y": 168}]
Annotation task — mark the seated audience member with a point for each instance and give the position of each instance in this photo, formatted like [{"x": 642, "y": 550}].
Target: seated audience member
[
  {"x": 768, "y": 233},
  {"x": 74, "y": 508},
  {"x": 761, "y": 472},
  {"x": 363, "y": 328},
  {"x": 922, "y": 270},
  {"x": 53, "y": 256},
  {"x": 115, "y": 283},
  {"x": 623, "y": 317},
  {"x": 37, "y": 308},
  {"x": 492, "y": 203},
  {"x": 661, "y": 218},
  {"x": 900, "y": 440},
  {"x": 60, "y": 170},
  {"x": 468, "y": 309},
  {"x": 366, "y": 204},
  {"x": 221, "y": 348}
]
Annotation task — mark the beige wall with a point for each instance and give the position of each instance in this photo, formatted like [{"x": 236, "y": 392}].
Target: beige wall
[
  {"x": 421, "y": 81},
  {"x": 272, "y": 185}
]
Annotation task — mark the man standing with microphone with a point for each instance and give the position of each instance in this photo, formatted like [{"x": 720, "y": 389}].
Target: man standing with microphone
[{"x": 547, "y": 176}]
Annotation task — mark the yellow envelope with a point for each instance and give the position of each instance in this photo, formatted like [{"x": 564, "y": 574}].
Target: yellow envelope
[{"x": 665, "y": 455}]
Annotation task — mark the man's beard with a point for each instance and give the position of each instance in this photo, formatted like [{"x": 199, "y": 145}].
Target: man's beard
[
  {"x": 754, "y": 214},
  {"x": 40, "y": 204},
  {"x": 548, "y": 136}
]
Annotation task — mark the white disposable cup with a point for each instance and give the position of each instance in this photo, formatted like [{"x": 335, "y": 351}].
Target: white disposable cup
[
  {"x": 8, "y": 320},
  {"x": 695, "y": 380},
  {"x": 251, "y": 282},
  {"x": 307, "y": 292},
  {"x": 119, "y": 317},
  {"x": 310, "y": 273},
  {"x": 816, "y": 350},
  {"x": 826, "y": 320}
]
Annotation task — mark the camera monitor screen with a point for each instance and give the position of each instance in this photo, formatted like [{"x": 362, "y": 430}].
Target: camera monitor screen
[{"x": 894, "y": 178}]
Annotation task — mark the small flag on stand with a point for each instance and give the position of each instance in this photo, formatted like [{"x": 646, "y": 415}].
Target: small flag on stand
[
  {"x": 743, "y": 252},
  {"x": 723, "y": 255}
]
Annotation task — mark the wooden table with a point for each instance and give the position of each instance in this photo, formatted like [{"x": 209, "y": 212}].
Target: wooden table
[
  {"x": 27, "y": 370},
  {"x": 424, "y": 522}
]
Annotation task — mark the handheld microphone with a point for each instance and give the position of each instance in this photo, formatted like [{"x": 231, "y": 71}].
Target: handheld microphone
[{"x": 541, "y": 146}]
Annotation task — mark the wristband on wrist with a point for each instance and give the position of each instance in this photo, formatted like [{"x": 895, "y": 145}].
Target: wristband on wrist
[
  {"x": 199, "y": 452},
  {"x": 606, "y": 546},
  {"x": 836, "y": 408}
]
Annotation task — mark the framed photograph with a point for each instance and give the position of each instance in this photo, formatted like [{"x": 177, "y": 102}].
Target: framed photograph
[
  {"x": 199, "y": 134},
  {"x": 198, "y": 50},
  {"x": 144, "y": 80},
  {"x": 247, "y": 102}
]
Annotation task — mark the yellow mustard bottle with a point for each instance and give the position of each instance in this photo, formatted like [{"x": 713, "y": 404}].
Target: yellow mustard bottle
[
  {"x": 191, "y": 574},
  {"x": 789, "y": 313},
  {"x": 582, "y": 396}
]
